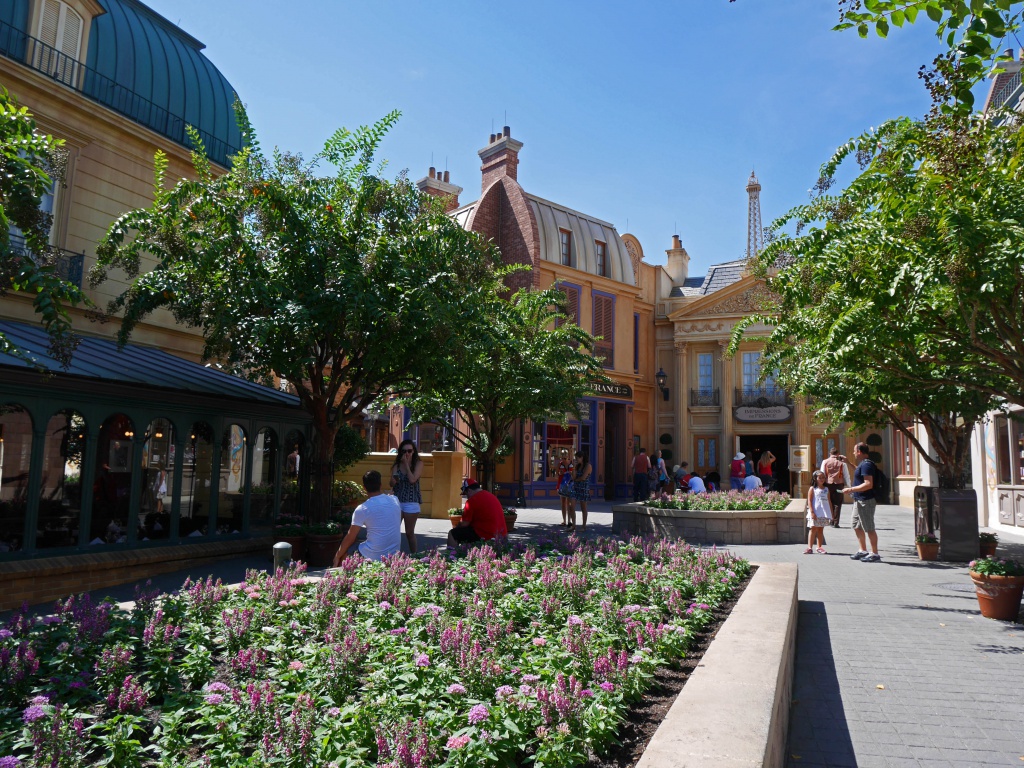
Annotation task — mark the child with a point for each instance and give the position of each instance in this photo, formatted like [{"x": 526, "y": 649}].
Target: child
[{"x": 819, "y": 512}]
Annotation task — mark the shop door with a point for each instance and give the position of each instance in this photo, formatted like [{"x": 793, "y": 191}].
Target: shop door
[{"x": 705, "y": 454}]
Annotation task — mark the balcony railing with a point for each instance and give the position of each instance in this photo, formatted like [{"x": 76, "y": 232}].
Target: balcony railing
[
  {"x": 705, "y": 397},
  {"x": 1006, "y": 91},
  {"x": 66, "y": 264},
  {"x": 35, "y": 54},
  {"x": 761, "y": 397}
]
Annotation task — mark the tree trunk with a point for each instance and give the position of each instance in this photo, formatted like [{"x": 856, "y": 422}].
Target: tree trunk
[
  {"x": 949, "y": 437},
  {"x": 321, "y": 466}
]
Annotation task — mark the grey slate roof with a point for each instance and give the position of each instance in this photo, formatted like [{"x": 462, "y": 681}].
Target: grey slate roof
[
  {"x": 717, "y": 278},
  {"x": 101, "y": 359}
]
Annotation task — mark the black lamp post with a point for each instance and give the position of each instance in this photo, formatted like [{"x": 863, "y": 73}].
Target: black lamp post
[{"x": 661, "y": 377}]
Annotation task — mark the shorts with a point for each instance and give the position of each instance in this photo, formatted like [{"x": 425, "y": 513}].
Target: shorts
[
  {"x": 465, "y": 535},
  {"x": 410, "y": 508},
  {"x": 864, "y": 514}
]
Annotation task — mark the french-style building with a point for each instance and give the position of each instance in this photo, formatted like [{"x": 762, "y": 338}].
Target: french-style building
[{"x": 143, "y": 448}]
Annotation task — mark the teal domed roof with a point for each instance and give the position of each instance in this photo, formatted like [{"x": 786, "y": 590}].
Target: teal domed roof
[{"x": 150, "y": 70}]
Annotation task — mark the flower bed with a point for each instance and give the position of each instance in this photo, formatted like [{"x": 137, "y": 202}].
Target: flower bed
[
  {"x": 499, "y": 658},
  {"x": 723, "y": 501}
]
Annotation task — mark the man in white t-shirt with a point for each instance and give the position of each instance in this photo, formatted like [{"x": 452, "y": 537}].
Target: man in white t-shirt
[
  {"x": 381, "y": 516},
  {"x": 752, "y": 483}
]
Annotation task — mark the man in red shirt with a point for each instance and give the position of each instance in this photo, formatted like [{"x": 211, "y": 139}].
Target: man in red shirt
[
  {"x": 482, "y": 517},
  {"x": 641, "y": 484}
]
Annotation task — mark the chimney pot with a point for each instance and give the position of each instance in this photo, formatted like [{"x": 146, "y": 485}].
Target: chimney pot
[
  {"x": 506, "y": 131},
  {"x": 446, "y": 177},
  {"x": 492, "y": 139},
  {"x": 431, "y": 173},
  {"x": 676, "y": 243}
]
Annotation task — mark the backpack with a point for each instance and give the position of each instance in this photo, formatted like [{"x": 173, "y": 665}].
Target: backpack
[{"x": 882, "y": 487}]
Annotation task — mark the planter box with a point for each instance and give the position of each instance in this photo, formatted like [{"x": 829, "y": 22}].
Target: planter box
[{"x": 749, "y": 526}]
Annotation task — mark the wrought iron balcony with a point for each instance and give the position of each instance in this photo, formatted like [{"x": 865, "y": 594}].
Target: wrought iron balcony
[
  {"x": 35, "y": 54},
  {"x": 761, "y": 397},
  {"x": 1006, "y": 92},
  {"x": 67, "y": 265},
  {"x": 705, "y": 397}
]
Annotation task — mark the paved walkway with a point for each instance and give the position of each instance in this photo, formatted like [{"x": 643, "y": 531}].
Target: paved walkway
[{"x": 895, "y": 666}]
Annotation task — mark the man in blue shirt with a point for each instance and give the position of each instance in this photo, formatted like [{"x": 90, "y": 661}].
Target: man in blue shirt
[{"x": 863, "y": 490}]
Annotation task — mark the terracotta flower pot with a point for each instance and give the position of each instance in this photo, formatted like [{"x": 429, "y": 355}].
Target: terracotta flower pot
[
  {"x": 298, "y": 546},
  {"x": 510, "y": 522},
  {"x": 321, "y": 549},
  {"x": 998, "y": 596},
  {"x": 928, "y": 550},
  {"x": 987, "y": 548},
  {"x": 456, "y": 519}
]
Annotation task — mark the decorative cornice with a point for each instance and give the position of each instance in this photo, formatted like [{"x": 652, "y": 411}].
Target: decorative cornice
[
  {"x": 757, "y": 298},
  {"x": 696, "y": 326}
]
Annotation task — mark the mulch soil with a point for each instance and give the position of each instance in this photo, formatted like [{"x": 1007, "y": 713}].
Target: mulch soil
[{"x": 646, "y": 715}]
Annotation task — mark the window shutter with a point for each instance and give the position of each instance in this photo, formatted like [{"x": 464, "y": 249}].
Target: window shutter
[
  {"x": 572, "y": 305},
  {"x": 71, "y": 35},
  {"x": 604, "y": 326},
  {"x": 49, "y": 22}
]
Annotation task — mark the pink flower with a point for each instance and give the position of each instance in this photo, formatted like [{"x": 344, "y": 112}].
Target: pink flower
[
  {"x": 478, "y": 714},
  {"x": 457, "y": 742},
  {"x": 296, "y": 665},
  {"x": 540, "y": 641},
  {"x": 456, "y": 689},
  {"x": 423, "y": 660}
]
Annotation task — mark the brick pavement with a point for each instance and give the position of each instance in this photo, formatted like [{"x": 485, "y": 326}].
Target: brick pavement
[{"x": 953, "y": 682}]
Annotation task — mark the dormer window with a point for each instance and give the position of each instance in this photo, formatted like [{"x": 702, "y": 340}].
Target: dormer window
[
  {"x": 601, "y": 251},
  {"x": 59, "y": 30},
  {"x": 565, "y": 245}
]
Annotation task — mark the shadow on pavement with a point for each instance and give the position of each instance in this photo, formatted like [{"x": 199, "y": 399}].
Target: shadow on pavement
[{"x": 818, "y": 731}]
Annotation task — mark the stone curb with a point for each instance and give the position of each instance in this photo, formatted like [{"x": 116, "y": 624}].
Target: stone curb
[{"x": 734, "y": 709}]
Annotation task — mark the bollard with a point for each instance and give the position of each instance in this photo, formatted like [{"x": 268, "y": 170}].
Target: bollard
[{"x": 282, "y": 555}]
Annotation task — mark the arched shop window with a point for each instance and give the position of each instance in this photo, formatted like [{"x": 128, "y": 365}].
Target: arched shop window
[
  {"x": 234, "y": 458},
  {"x": 15, "y": 460},
  {"x": 291, "y": 466},
  {"x": 112, "y": 482},
  {"x": 264, "y": 480},
  {"x": 158, "y": 455},
  {"x": 197, "y": 481},
  {"x": 60, "y": 503}
]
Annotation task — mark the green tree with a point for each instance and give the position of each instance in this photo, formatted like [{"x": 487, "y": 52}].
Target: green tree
[
  {"x": 30, "y": 163},
  {"x": 346, "y": 284},
  {"x": 527, "y": 363}
]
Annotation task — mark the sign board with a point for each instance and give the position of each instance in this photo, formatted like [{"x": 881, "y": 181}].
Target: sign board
[
  {"x": 799, "y": 458},
  {"x": 767, "y": 413},
  {"x": 615, "y": 390},
  {"x": 584, "y": 406}
]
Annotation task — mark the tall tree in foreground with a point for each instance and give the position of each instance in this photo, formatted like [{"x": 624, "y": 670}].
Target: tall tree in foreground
[
  {"x": 30, "y": 163},
  {"x": 527, "y": 363},
  {"x": 346, "y": 284}
]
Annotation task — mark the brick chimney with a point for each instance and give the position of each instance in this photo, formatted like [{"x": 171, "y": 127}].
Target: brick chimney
[
  {"x": 678, "y": 266},
  {"x": 499, "y": 158},
  {"x": 436, "y": 184}
]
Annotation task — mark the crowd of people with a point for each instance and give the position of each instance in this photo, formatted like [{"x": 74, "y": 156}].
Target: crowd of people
[{"x": 651, "y": 476}]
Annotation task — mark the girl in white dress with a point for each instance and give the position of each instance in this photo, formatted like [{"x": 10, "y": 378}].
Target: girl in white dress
[{"x": 819, "y": 512}]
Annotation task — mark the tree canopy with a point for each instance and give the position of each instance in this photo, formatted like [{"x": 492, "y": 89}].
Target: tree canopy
[
  {"x": 529, "y": 362},
  {"x": 30, "y": 164},
  {"x": 347, "y": 284}
]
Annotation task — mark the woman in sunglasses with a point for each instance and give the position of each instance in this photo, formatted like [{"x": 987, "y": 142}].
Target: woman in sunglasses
[{"x": 405, "y": 481}]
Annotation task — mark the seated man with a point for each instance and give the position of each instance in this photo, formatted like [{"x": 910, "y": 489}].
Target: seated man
[
  {"x": 752, "y": 483},
  {"x": 482, "y": 517},
  {"x": 696, "y": 484},
  {"x": 381, "y": 516}
]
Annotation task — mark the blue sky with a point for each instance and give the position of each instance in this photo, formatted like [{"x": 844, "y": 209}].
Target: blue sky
[{"x": 649, "y": 115}]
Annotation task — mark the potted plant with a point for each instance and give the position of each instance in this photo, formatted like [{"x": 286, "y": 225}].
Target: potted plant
[
  {"x": 510, "y": 518},
  {"x": 455, "y": 515},
  {"x": 322, "y": 542},
  {"x": 999, "y": 584},
  {"x": 987, "y": 543},
  {"x": 290, "y": 528},
  {"x": 927, "y": 547},
  {"x": 345, "y": 495}
]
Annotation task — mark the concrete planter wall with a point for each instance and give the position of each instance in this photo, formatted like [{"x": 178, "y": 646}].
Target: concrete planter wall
[{"x": 755, "y": 526}]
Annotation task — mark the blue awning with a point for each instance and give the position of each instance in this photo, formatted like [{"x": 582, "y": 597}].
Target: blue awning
[{"x": 101, "y": 359}]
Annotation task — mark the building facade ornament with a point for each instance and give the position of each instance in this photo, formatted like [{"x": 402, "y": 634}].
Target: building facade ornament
[
  {"x": 634, "y": 257},
  {"x": 707, "y": 326},
  {"x": 755, "y": 299}
]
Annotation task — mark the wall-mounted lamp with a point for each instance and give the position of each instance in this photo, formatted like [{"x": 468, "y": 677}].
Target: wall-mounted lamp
[
  {"x": 158, "y": 435},
  {"x": 661, "y": 377}
]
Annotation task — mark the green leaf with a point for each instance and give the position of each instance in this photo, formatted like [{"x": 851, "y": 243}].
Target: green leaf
[{"x": 882, "y": 27}]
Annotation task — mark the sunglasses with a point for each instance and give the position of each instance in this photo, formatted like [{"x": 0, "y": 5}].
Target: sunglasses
[{"x": 407, "y": 450}]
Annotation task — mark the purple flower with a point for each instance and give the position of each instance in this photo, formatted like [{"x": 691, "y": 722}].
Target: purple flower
[
  {"x": 399, "y": 631},
  {"x": 40, "y": 700},
  {"x": 423, "y": 660},
  {"x": 384, "y": 605},
  {"x": 531, "y": 678},
  {"x": 10, "y": 761},
  {"x": 218, "y": 688},
  {"x": 456, "y": 689},
  {"x": 4, "y": 634},
  {"x": 33, "y": 713},
  {"x": 606, "y": 686},
  {"x": 505, "y": 690},
  {"x": 333, "y": 711},
  {"x": 478, "y": 714},
  {"x": 215, "y": 698}
]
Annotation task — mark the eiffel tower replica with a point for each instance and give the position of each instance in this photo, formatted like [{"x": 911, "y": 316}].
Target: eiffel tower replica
[{"x": 755, "y": 241}]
